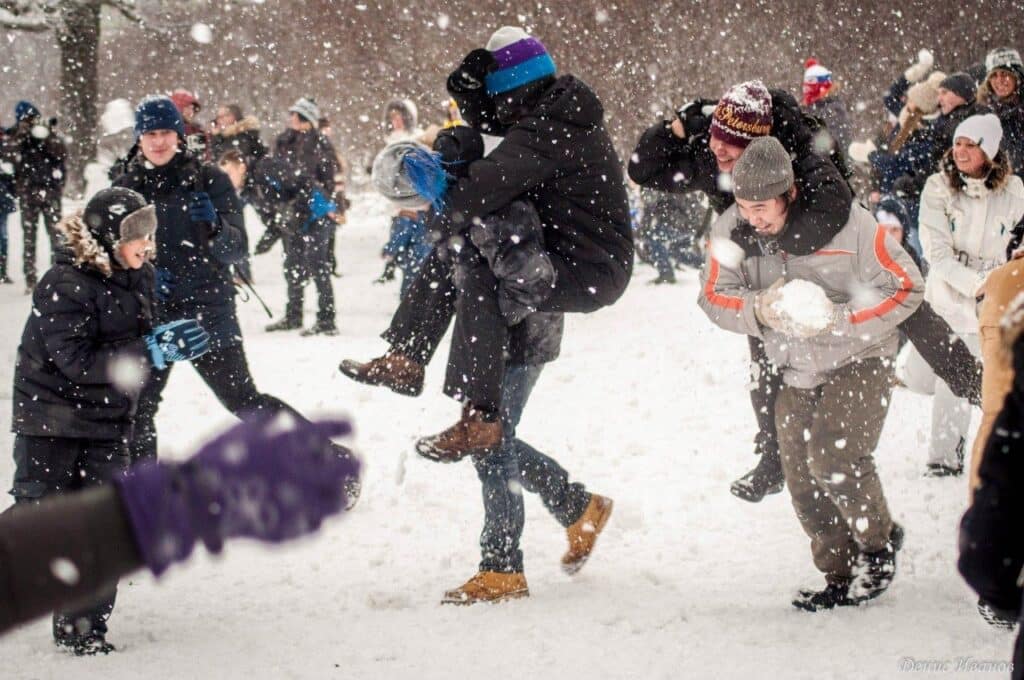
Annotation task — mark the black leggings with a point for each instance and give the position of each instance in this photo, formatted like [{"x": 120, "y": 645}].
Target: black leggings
[{"x": 226, "y": 372}]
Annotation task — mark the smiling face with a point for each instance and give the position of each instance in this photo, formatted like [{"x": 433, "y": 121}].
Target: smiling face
[
  {"x": 133, "y": 254},
  {"x": 726, "y": 154},
  {"x": 969, "y": 158},
  {"x": 768, "y": 218},
  {"x": 1003, "y": 83},
  {"x": 159, "y": 146}
]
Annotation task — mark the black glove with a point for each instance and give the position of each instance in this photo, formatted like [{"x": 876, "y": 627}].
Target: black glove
[
  {"x": 472, "y": 72},
  {"x": 459, "y": 146},
  {"x": 696, "y": 116}
]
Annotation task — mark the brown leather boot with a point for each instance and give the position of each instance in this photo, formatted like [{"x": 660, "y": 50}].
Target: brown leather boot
[
  {"x": 583, "y": 533},
  {"x": 395, "y": 371},
  {"x": 471, "y": 435},
  {"x": 488, "y": 586}
]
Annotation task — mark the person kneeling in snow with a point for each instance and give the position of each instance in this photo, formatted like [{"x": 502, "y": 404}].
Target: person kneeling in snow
[
  {"x": 828, "y": 318},
  {"x": 86, "y": 351}
]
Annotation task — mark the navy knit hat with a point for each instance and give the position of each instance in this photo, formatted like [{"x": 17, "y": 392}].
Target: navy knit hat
[
  {"x": 962, "y": 85},
  {"x": 24, "y": 110},
  {"x": 158, "y": 112},
  {"x": 521, "y": 59}
]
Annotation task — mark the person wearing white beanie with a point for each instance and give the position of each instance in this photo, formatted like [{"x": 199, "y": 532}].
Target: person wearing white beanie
[{"x": 968, "y": 213}]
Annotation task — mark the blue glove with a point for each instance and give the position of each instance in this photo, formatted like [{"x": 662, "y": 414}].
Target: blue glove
[
  {"x": 165, "y": 281},
  {"x": 181, "y": 340},
  {"x": 200, "y": 208},
  {"x": 320, "y": 205}
]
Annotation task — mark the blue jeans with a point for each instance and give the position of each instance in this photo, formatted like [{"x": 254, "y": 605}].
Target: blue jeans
[{"x": 514, "y": 467}]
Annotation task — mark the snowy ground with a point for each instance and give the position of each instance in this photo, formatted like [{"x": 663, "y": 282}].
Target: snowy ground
[{"x": 647, "y": 405}]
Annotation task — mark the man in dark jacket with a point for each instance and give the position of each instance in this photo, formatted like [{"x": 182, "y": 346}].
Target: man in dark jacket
[
  {"x": 308, "y": 235},
  {"x": 199, "y": 237},
  {"x": 696, "y": 152},
  {"x": 38, "y": 157},
  {"x": 555, "y": 153},
  {"x": 7, "y": 207}
]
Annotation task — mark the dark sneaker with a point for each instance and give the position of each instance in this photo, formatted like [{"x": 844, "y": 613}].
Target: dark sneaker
[
  {"x": 474, "y": 434},
  {"x": 320, "y": 328},
  {"x": 997, "y": 618},
  {"x": 395, "y": 371},
  {"x": 873, "y": 572},
  {"x": 834, "y": 595},
  {"x": 353, "y": 485},
  {"x": 942, "y": 470},
  {"x": 765, "y": 479},
  {"x": 662, "y": 279},
  {"x": 85, "y": 645},
  {"x": 283, "y": 325}
]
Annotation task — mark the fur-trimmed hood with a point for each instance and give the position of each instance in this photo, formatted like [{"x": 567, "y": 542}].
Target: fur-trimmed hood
[
  {"x": 247, "y": 124},
  {"x": 87, "y": 251}
]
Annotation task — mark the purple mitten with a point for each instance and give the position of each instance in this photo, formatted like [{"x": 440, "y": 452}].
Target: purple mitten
[{"x": 269, "y": 480}]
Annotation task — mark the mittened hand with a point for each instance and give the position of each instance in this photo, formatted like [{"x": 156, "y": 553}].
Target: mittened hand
[
  {"x": 181, "y": 340},
  {"x": 268, "y": 480},
  {"x": 473, "y": 70},
  {"x": 696, "y": 116},
  {"x": 459, "y": 146},
  {"x": 200, "y": 208},
  {"x": 320, "y": 206}
]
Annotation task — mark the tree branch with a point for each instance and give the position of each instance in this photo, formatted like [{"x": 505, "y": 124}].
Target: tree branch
[
  {"x": 126, "y": 8},
  {"x": 13, "y": 20}
]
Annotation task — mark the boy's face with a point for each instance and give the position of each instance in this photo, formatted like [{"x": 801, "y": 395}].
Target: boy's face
[
  {"x": 159, "y": 146},
  {"x": 726, "y": 154},
  {"x": 768, "y": 218},
  {"x": 133, "y": 254},
  {"x": 949, "y": 100}
]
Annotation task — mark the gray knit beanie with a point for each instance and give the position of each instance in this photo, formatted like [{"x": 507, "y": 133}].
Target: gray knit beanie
[{"x": 763, "y": 172}]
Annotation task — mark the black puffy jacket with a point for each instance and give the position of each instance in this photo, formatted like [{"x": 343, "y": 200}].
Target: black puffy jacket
[
  {"x": 199, "y": 256},
  {"x": 560, "y": 157},
  {"x": 665, "y": 162},
  {"x": 84, "y": 327}
]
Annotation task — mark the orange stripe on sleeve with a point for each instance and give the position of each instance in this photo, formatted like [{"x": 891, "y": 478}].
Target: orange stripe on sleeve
[
  {"x": 897, "y": 298},
  {"x": 716, "y": 298}
]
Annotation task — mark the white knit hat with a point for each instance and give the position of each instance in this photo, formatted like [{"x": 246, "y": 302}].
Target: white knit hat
[{"x": 984, "y": 130}]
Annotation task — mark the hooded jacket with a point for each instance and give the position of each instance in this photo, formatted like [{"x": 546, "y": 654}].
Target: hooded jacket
[
  {"x": 865, "y": 273},
  {"x": 562, "y": 159},
  {"x": 82, "y": 357},
  {"x": 964, "y": 235}
]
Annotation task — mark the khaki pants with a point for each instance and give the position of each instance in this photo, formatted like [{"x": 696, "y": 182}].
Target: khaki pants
[{"x": 826, "y": 437}]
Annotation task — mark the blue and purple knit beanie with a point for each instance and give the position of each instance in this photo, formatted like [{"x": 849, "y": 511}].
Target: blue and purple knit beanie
[{"x": 521, "y": 59}]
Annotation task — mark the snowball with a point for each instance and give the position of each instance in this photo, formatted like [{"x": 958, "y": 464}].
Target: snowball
[
  {"x": 443, "y": 21},
  {"x": 600, "y": 16},
  {"x": 65, "y": 571},
  {"x": 202, "y": 33},
  {"x": 725, "y": 184},
  {"x": 40, "y": 131},
  {"x": 729, "y": 253},
  {"x": 806, "y": 304},
  {"x": 841, "y": 444},
  {"x": 862, "y": 524},
  {"x": 127, "y": 373}
]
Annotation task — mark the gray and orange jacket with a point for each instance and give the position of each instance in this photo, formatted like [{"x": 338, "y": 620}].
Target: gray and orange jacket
[{"x": 862, "y": 270}]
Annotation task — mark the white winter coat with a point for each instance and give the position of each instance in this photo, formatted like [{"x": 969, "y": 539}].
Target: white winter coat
[{"x": 964, "y": 235}]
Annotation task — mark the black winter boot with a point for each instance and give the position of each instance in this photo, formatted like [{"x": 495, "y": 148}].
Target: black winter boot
[
  {"x": 85, "y": 645},
  {"x": 874, "y": 571},
  {"x": 285, "y": 324},
  {"x": 834, "y": 595},
  {"x": 320, "y": 328},
  {"x": 765, "y": 479}
]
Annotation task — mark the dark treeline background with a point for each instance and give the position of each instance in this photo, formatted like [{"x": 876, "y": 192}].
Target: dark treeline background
[{"x": 642, "y": 57}]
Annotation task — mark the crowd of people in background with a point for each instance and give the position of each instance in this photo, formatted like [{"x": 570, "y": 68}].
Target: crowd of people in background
[{"x": 852, "y": 266}]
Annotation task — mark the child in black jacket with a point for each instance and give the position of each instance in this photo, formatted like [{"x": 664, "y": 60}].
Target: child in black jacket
[{"x": 86, "y": 350}]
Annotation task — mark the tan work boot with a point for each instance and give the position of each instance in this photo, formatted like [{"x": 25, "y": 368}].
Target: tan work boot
[
  {"x": 471, "y": 435},
  {"x": 488, "y": 586},
  {"x": 583, "y": 533},
  {"x": 395, "y": 371}
]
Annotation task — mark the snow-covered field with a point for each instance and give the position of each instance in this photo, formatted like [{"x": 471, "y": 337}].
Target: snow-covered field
[{"x": 648, "y": 404}]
